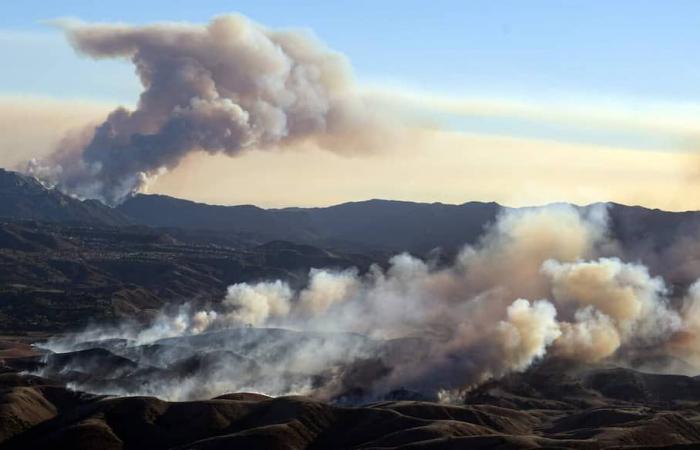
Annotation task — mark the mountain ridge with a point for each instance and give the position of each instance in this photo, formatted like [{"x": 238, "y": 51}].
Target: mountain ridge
[
  {"x": 375, "y": 225},
  {"x": 23, "y": 197}
]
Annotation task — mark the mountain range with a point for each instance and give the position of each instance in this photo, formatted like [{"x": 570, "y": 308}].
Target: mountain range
[
  {"x": 382, "y": 225},
  {"x": 65, "y": 262}
]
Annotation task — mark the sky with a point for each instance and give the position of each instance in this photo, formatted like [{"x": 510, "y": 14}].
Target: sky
[{"x": 519, "y": 102}]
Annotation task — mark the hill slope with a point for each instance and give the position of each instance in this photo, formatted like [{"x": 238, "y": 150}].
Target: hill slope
[
  {"x": 550, "y": 406},
  {"x": 373, "y": 224},
  {"x": 393, "y": 225},
  {"x": 24, "y": 198}
]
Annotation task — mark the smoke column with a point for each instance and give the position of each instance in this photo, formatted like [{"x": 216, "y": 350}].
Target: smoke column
[{"x": 223, "y": 87}]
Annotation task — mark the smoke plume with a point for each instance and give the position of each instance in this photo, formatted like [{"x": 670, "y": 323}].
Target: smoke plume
[
  {"x": 227, "y": 86},
  {"x": 541, "y": 282}
]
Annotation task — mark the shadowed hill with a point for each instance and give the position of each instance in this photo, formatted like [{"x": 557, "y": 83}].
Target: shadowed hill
[
  {"x": 24, "y": 198},
  {"x": 396, "y": 226},
  {"x": 379, "y": 224},
  {"x": 55, "y": 276},
  {"x": 550, "y": 406},
  {"x": 368, "y": 226}
]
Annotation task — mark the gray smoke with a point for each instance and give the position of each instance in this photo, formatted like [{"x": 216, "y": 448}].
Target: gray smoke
[
  {"x": 540, "y": 282},
  {"x": 223, "y": 87}
]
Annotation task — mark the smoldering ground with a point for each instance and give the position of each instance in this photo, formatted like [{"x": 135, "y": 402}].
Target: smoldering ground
[{"x": 540, "y": 283}]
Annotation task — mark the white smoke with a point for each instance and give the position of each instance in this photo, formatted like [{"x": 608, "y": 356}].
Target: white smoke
[
  {"x": 258, "y": 303},
  {"x": 541, "y": 281},
  {"x": 592, "y": 336},
  {"x": 527, "y": 332},
  {"x": 635, "y": 302},
  {"x": 327, "y": 288}
]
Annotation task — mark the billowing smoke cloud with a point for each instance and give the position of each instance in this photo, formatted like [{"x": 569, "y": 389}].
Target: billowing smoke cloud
[
  {"x": 224, "y": 87},
  {"x": 527, "y": 332},
  {"x": 540, "y": 282},
  {"x": 327, "y": 288},
  {"x": 259, "y": 303},
  {"x": 624, "y": 293}
]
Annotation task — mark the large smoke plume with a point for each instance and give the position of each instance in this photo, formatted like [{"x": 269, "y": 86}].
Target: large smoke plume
[
  {"x": 541, "y": 282},
  {"x": 225, "y": 87}
]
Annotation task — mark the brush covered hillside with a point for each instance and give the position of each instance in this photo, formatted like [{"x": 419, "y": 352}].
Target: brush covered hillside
[
  {"x": 393, "y": 226},
  {"x": 553, "y": 405},
  {"x": 370, "y": 225},
  {"x": 66, "y": 262},
  {"x": 24, "y": 198}
]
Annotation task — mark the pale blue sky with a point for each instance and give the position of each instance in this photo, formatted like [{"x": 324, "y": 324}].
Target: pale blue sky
[
  {"x": 619, "y": 52},
  {"x": 627, "y": 48}
]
